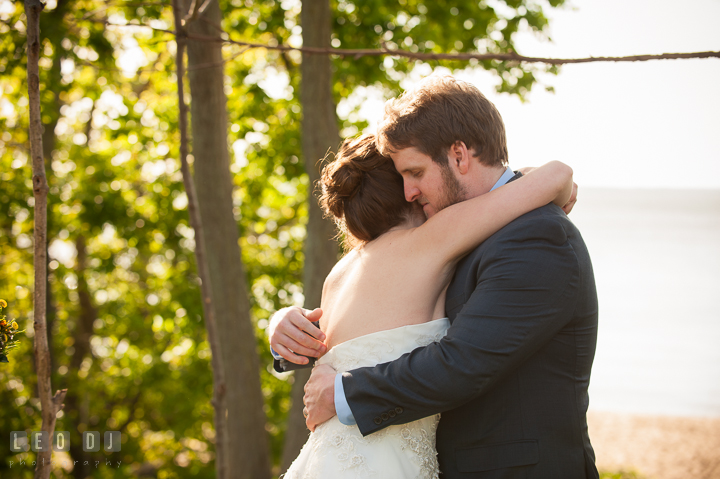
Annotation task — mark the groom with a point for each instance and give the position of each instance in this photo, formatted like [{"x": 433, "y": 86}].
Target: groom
[{"x": 511, "y": 376}]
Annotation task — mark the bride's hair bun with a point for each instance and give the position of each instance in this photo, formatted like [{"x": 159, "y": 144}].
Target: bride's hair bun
[
  {"x": 341, "y": 180},
  {"x": 362, "y": 190}
]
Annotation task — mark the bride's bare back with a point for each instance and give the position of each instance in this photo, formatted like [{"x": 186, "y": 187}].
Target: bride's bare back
[{"x": 382, "y": 285}]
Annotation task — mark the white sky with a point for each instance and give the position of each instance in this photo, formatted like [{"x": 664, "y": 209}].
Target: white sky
[{"x": 629, "y": 125}]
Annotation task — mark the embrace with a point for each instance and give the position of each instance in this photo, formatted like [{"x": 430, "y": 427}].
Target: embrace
[{"x": 457, "y": 334}]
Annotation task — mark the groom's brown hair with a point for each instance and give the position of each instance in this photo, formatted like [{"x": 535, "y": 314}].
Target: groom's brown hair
[{"x": 439, "y": 112}]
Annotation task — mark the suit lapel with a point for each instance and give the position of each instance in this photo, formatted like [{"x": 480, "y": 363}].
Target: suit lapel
[{"x": 456, "y": 293}]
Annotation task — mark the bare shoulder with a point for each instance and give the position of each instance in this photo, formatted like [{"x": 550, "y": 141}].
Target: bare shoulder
[
  {"x": 339, "y": 271},
  {"x": 413, "y": 254},
  {"x": 398, "y": 245}
]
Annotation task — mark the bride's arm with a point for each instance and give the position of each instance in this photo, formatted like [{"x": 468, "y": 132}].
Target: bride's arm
[
  {"x": 457, "y": 229},
  {"x": 567, "y": 207}
]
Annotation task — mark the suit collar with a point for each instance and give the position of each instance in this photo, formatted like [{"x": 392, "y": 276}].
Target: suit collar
[{"x": 517, "y": 175}]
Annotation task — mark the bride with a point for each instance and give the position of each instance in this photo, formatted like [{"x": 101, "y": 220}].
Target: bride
[{"x": 386, "y": 296}]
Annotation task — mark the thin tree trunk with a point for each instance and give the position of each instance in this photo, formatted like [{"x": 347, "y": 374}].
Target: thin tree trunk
[
  {"x": 246, "y": 434},
  {"x": 50, "y": 405},
  {"x": 76, "y": 399},
  {"x": 218, "y": 401},
  {"x": 49, "y": 139},
  {"x": 319, "y": 134}
]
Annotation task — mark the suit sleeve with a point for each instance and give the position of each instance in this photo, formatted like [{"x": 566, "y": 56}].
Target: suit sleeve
[{"x": 525, "y": 291}]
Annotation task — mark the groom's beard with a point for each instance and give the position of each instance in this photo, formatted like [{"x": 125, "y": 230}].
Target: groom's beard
[{"x": 453, "y": 192}]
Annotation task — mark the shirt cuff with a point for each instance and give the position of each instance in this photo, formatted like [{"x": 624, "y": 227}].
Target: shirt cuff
[{"x": 342, "y": 408}]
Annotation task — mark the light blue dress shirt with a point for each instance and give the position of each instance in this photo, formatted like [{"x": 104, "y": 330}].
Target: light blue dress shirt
[{"x": 342, "y": 408}]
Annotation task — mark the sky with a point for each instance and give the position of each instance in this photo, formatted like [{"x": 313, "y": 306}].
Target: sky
[{"x": 619, "y": 125}]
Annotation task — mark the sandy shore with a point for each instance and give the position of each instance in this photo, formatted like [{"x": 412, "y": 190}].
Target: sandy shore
[{"x": 656, "y": 447}]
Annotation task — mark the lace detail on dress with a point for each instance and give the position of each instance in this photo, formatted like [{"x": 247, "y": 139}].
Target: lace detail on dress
[
  {"x": 422, "y": 443},
  {"x": 350, "y": 450},
  {"x": 348, "y": 455},
  {"x": 426, "y": 339},
  {"x": 373, "y": 352},
  {"x": 336, "y": 451}
]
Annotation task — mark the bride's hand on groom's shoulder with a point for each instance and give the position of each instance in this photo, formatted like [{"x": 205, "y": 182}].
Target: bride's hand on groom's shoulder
[{"x": 292, "y": 333}]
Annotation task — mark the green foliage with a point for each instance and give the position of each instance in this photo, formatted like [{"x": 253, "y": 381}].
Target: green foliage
[
  {"x": 431, "y": 27},
  {"x": 8, "y": 331},
  {"x": 120, "y": 246},
  {"x": 619, "y": 475},
  {"x": 115, "y": 193}
]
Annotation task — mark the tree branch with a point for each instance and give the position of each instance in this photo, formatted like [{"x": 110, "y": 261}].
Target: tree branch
[
  {"x": 135, "y": 25},
  {"x": 369, "y": 52},
  {"x": 217, "y": 64},
  {"x": 512, "y": 56},
  {"x": 131, "y": 412},
  {"x": 196, "y": 10}
]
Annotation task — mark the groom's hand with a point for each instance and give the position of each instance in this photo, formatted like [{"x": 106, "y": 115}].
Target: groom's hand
[
  {"x": 287, "y": 334},
  {"x": 319, "y": 396}
]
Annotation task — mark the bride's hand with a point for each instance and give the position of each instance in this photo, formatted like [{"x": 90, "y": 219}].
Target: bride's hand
[
  {"x": 573, "y": 199},
  {"x": 287, "y": 334}
]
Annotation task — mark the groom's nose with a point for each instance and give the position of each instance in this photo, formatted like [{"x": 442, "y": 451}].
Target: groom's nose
[{"x": 411, "y": 192}]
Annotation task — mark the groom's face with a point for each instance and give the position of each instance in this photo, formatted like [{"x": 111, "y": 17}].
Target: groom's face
[{"x": 433, "y": 186}]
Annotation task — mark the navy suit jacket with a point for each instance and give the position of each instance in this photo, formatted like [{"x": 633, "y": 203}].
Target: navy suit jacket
[{"x": 511, "y": 377}]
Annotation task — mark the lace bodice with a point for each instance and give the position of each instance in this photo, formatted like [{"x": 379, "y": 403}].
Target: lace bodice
[
  {"x": 383, "y": 346},
  {"x": 396, "y": 452}
]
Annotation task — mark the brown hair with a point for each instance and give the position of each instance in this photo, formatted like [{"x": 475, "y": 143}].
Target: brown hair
[
  {"x": 363, "y": 191},
  {"x": 439, "y": 112}
]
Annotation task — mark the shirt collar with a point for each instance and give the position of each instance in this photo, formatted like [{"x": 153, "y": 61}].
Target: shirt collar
[{"x": 509, "y": 173}]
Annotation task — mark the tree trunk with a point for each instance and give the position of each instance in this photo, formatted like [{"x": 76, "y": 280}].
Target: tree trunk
[
  {"x": 50, "y": 405},
  {"x": 319, "y": 134},
  {"x": 218, "y": 401},
  {"x": 76, "y": 398},
  {"x": 48, "y": 144},
  {"x": 248, "y": 453}
]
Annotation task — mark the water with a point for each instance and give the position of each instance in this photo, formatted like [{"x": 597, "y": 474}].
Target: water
[{"x": 656, "y": 256}]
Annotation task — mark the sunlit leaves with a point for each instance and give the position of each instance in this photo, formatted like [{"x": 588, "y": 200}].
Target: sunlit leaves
[{"x": 116, "y": 195}]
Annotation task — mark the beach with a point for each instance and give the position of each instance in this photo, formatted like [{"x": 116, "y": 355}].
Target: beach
[
  {"x": 656, "y": 447},
  {"x": 655, "y": 385}
]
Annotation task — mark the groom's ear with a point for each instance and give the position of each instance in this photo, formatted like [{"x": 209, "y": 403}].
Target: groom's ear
[{"x": 460, "y": 157}]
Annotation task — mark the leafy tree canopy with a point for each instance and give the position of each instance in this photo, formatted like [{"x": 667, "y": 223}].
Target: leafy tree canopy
[{"x": 122, "y": 277}]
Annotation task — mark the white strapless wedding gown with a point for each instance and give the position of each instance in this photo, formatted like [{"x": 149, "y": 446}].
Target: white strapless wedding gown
[{"x": 406, "y": 451}]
